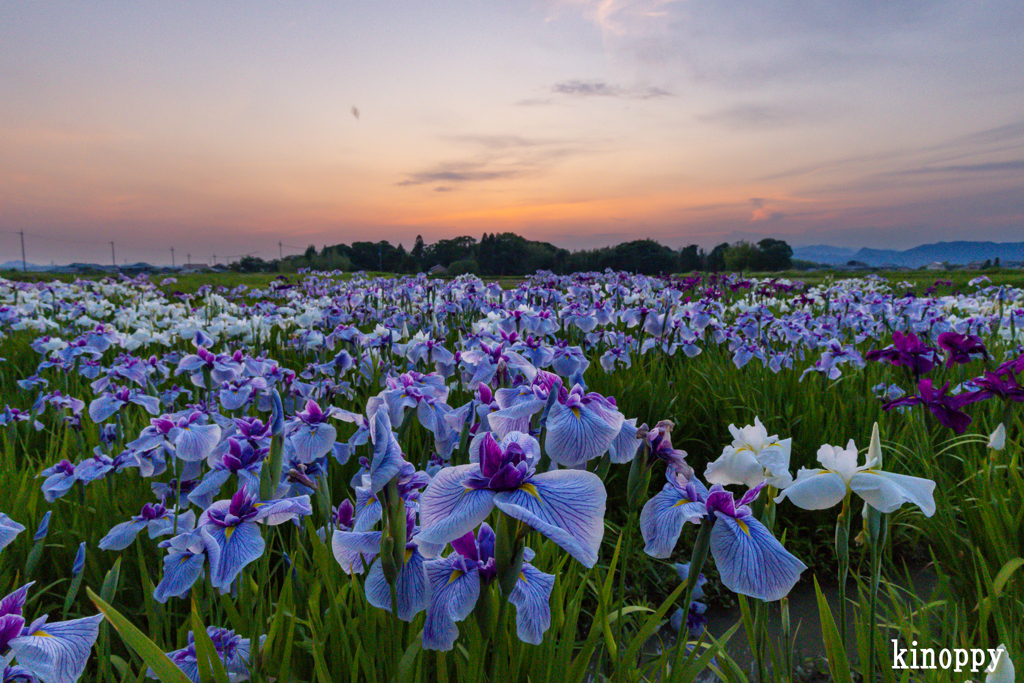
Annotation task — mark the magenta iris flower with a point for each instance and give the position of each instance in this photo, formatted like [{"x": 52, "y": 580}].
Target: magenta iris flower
[{"x": 945, "y": 407}]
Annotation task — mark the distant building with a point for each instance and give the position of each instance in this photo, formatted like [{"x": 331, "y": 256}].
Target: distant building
[
  {"x": 438, "y": 270},
  {"x": 937, "y": 265},
  {"x": 194, "y": 268}
]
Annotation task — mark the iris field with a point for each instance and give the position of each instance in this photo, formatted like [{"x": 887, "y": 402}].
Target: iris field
[{"x": 336, "y": 477}]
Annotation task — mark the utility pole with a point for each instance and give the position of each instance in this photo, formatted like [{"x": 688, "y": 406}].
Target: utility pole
[
  {"x": 113, "y": 259},
  {"x": 172, "y": 257},
  {"x": 280, "y": 251},
  {"x": 189, "y": 258},
  {"x": 24, "y": 264},
  {"x": 214, "y": 259}
]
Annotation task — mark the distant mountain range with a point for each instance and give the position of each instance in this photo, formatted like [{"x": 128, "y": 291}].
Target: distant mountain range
[
  {"x": 17, "y": 265},
  {"x": 954, "y": 253}
]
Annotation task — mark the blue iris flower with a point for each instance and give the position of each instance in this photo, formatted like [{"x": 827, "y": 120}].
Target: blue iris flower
[
  {"x": 567, "y": 506},
  {"x": 230, "y": 531},
  {"x": 457, "y": 580},
  {"x": 55, "y": 653},
  {"x": 749, "y": 558}
]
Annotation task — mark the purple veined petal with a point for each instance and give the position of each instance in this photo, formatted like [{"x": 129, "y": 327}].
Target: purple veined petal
[
  {"x": 353, "y": 549},
  {"x": 15, "y": 600},
  {"x": 165, "y": 526},
  {"x": 181, "y": 571},
  {"x": 238, "y": 546},
  {"x": 312, "y": 442},
  {"x": 567, "y": 506},
  {"x": 663, "y": 517},
  {"x": 815, "y": 489},
  {"x": 202, "y": 495},
  {"x": 102, "y": 408},
  {"x": 453, "y": 596},
  {"x": 581, "y": 433},
  {"x": 516, "y": 417},
  {"x": 121, "y": 535},
  {"x": 9, "y": 529},
  {"x": 387, "y": 454},
  {"x": 531, "y": 597},
  {"x": 368, "y": 510},
  {"x": 886, "y": 491},
  {"x": 274, "y": 512},
  {"x": 412, "y": 588},
  {"x": 56, "y": 485},
  {"x": 151, "y": 404},
  {"x": 448, "y": 509},
  {"x": 750, "y": 560},
  {"x": 57, "y": 653},
  {"x": 625, "y": 445},
  {"x": 195, "y": 442}
]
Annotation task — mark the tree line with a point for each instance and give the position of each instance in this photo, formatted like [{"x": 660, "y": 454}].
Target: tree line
[{"x": 509, "y": 254}]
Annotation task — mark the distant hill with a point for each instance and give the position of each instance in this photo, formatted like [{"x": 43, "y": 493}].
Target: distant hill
[
  {"x": 954, "y": 253},
  {"x": 16, "y": 265},
  {"x": 960, "y": 253},
  {"x": 823, "y": 253}
]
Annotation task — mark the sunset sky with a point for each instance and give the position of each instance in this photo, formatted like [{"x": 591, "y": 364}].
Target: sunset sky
[{"x": 224, "y": 128}]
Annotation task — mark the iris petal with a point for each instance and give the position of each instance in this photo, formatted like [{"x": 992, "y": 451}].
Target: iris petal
[
  {"x": 567, "y": 506},
  {"x": 581, "y": 433},
  {"x": 663, "y": 517},
  {"x": 448, "y": 509},
  {"x": 58, "y": 652},
  {"x": 886, "y": 491},
  {"x": 531, "y": 597},
  {"x": 751, "y": 561}
]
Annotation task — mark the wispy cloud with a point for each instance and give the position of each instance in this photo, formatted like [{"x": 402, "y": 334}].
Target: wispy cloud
[
  {"x": 765, "y": 116},
  {"x": 990, "y": 167},
  {"x": 498, "y": 157},
  {"x": 458, "y": 172},
  {"x": 581, "y": 88}
]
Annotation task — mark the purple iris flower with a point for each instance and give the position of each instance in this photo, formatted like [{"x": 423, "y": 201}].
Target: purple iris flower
[
  {"x": 231, "y": 534},
  {"x": 222, "y": 368},
  {"x": 1004, "y": 386},
  {"x": 9, "y": 529},
  {"x": 750, "y": 560},
  {"x": 105, "y": 406},
  {"x": 581, "y": 426},
  {"x": 242, "y": 460},
  {"x": 55, "y": 653},
  {"x": 907, "y": 351},
  {"x": 368, "y": 510},
  {"x": 59, "y": 480},
  {"x": 234, "y": 395},
  {"x": 518, "y": 405},
  {"x": 234, "y": 651},
  {"x": 354, "y": 549},
  {"x": 155, "y": 518},
  {"x": 961, "y": 349},
  {"x": 567, "y": 506},
  {"x": 190, "y": 438},
  {"x": 310, "y": 434},
  {"x": 183, "y": 564},
  {"x": 945, "y": 407},
  {"x": 568, "y": 361},
  {"x": 456, "y": 582}
]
